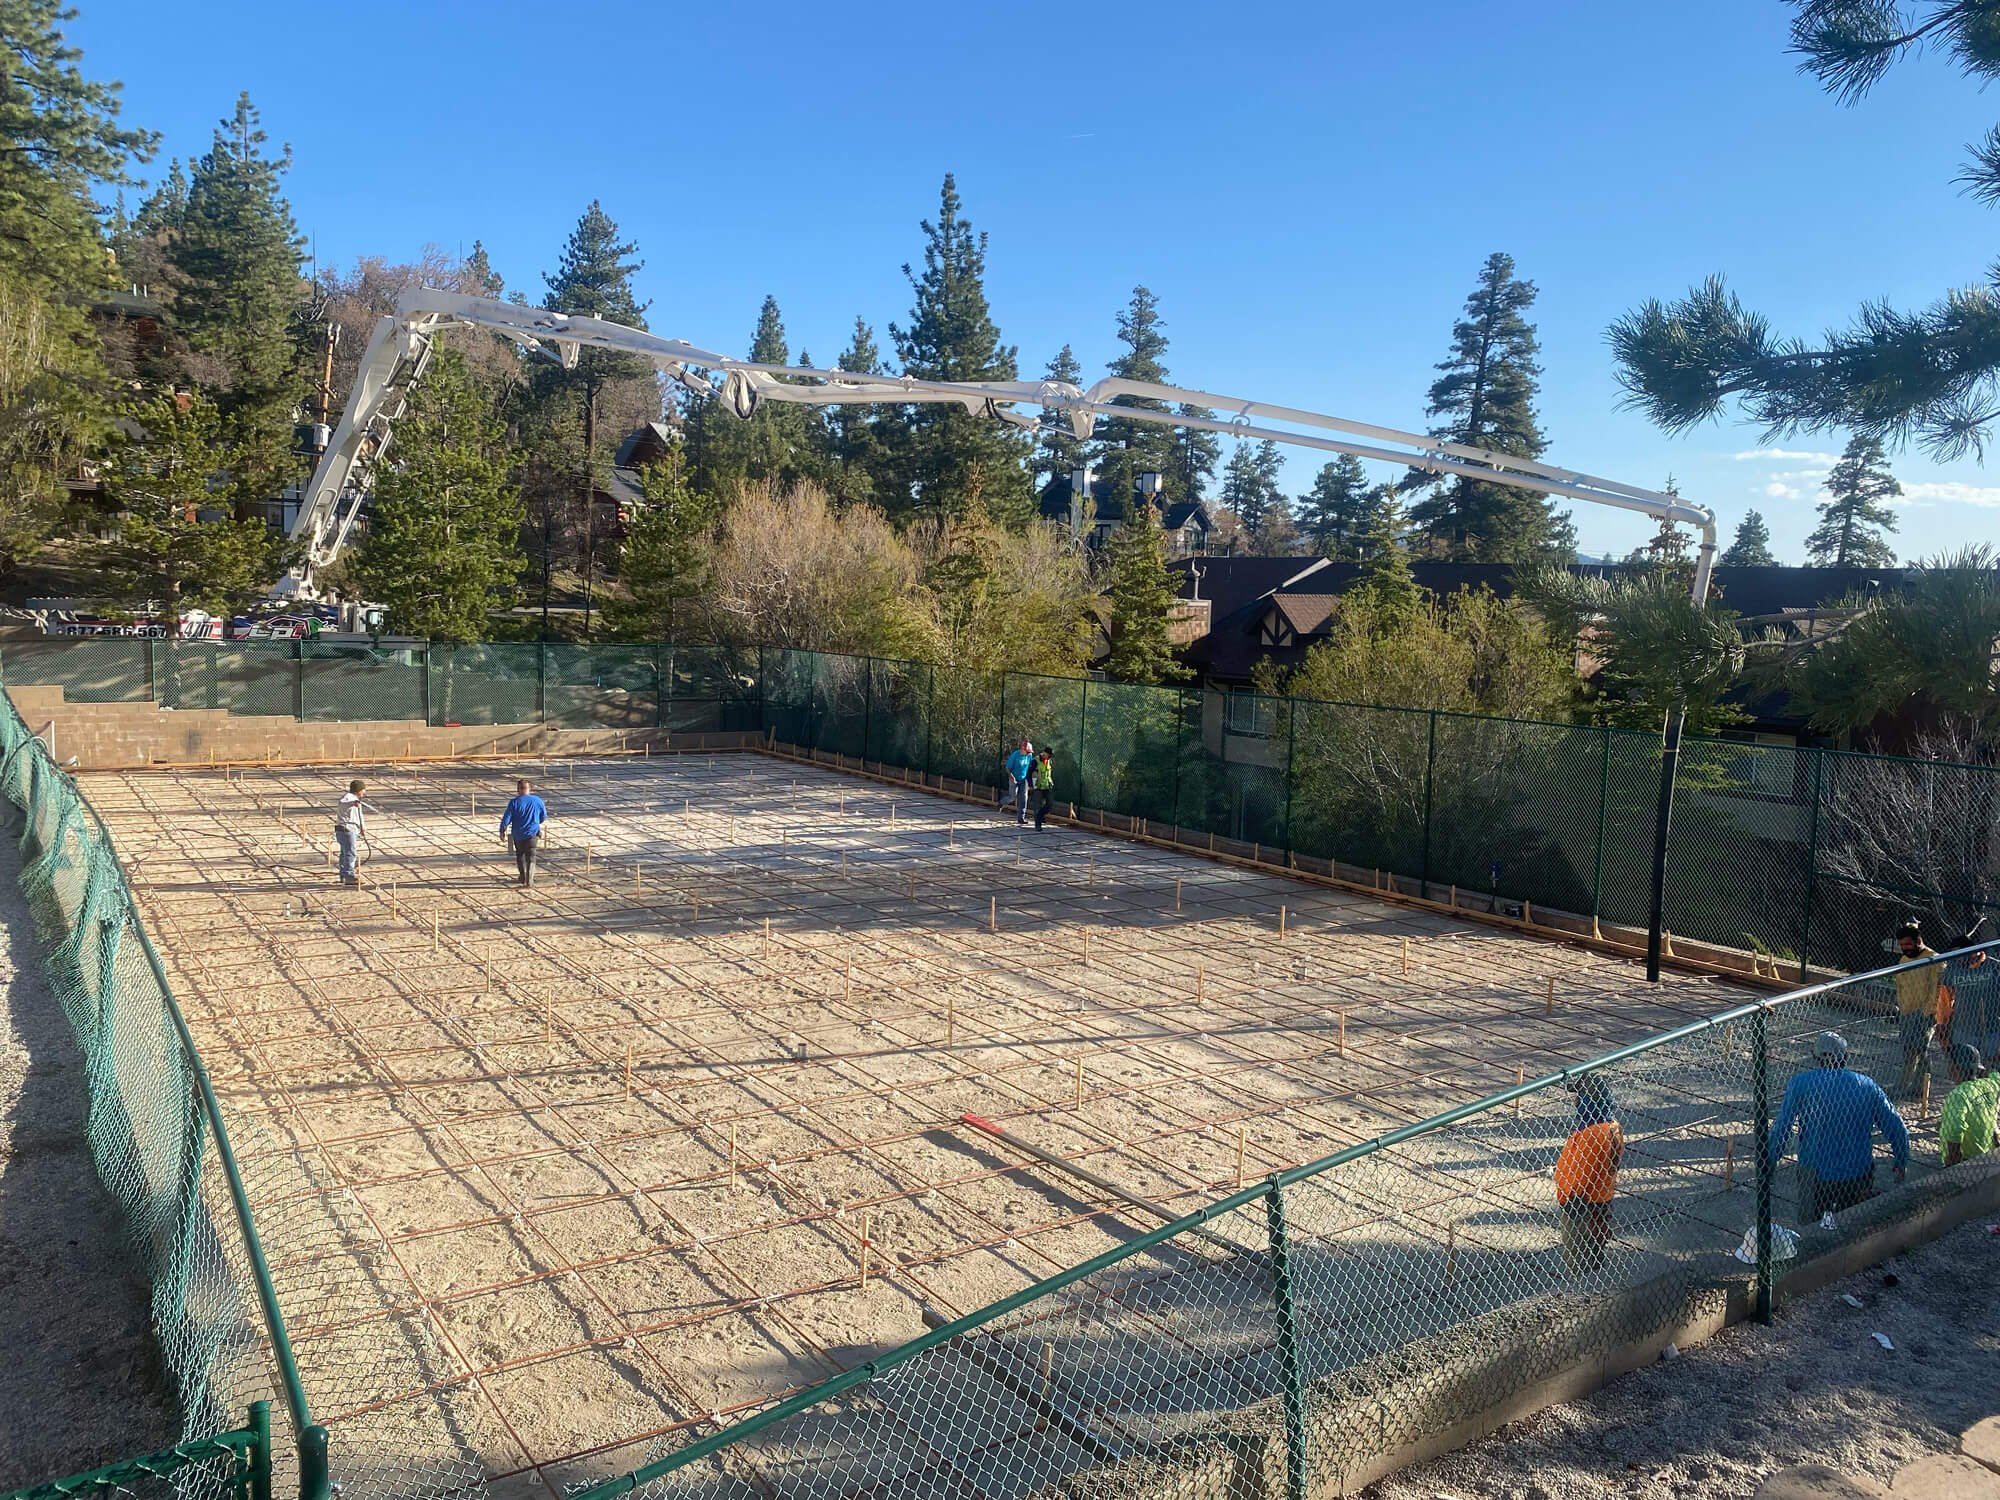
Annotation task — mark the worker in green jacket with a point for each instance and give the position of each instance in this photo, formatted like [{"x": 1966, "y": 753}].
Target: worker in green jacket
[{"x": 1043, "y": 779}]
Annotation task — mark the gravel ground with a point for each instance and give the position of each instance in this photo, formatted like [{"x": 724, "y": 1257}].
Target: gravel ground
[
  {"x": 1815, "y": 1388},
  {"x": 79, "y": 1385}
]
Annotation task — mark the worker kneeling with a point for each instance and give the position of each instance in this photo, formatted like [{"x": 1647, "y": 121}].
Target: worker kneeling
[
  {"x": 1587, "y": 1176},
  {"x": 1837, "y": 1112}
]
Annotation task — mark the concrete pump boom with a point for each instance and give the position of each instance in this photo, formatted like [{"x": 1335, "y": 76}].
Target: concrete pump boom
[{"x": 401, "y": 345}]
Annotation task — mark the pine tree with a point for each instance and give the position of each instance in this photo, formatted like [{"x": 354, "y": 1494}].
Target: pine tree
[
  {"x": 236, "y": 256},
  {"x": 476, "y": 277},
  {"x": 1250, "y": 489},
  {"x": 1855, "y": 516},
  {"x": 177, "y": 544},
  {"x": 1058, "y": 450},
  {"x": 62, "y": 137},
  {"x": 1335, "y": 513},
  {"x": 858, "y": 471},
  {"x": 665, "y": 564},
  {"x": 1386, "y": 578},
  {"x": 1486, "y": 395},
  {"x": 952, "y": 460},
  {"x": 777, "y": 443},
  {"x": 593, "y": 278},
  {"x": 1141, "y": 595},
  {"x": 1197, "y": 452},
  {"x": 1752, "y": 546},
  {"x": 1125, "y": 449},
  {"x": 443, "y": 550}
]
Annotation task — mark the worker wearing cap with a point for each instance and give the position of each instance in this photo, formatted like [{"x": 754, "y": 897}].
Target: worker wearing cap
[
  {"x": 1975, "y": 1004},
  {"x": 1837, "y": 1111},
  {"x": 1587, "y": 1175},
  {"x": 1923, "y": 1007},
  {"x": 1966, "y": 1123},
  {"x": 1020, "y": 766}
]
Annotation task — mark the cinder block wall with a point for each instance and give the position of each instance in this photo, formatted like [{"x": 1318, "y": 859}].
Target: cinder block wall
[{"x": 107, "y": 736}]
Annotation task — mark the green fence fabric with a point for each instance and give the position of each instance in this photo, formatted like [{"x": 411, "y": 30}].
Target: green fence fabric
[
  {"x": 1300, "y": 1334},
  {"x": 1808, "y": 855},
  {"x": 154, "y": 1128}
]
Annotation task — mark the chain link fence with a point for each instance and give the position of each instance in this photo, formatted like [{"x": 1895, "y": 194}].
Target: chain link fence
[
  {"x": 1310, "y": 1333},
  {"x": 1808, "y": 857}
]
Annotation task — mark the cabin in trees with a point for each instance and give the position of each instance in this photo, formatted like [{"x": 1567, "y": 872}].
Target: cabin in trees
[{"x": 1092, "y": 516}]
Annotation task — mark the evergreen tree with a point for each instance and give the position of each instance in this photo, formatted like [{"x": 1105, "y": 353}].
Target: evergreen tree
[
  {"x": 1250, "y": 489},
  {"x": 1125, "y": 449},
  {"x": 665, "y": 565},
  {"x": 777, "y": 443},
  {"x": 593, "y": 277},
  {"x": 1486, "y": 397},
  {"x": 1665, "y": 551},
  {"x": 1752, "y": 546},
  {"x": 61, "y": 137},
  {"x": 1930, "y": 374},
  {"x": 1855, "y": 516},
  {"x": 1197, "y": 452},
  {"x": 1386, "y": 579},
  {"x": 476, "y": 277},
  {"x": 860, "y": 472},
  {"x": 1058, "y": 450},
  {"x": 178, "y": 545},
  {"x": 237, "y": 290},
  {"x": 1335, "y": 514},
  {"x": 952, "y": 460},
  {"x": 1141, "y": 595},
  {"x": 443, "y": 549}
]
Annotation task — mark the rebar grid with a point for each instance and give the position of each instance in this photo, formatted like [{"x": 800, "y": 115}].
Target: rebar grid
[{"x": 810, "y": 968}]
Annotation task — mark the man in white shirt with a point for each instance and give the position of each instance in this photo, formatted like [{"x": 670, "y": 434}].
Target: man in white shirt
[{"x": 350, "y": 822}]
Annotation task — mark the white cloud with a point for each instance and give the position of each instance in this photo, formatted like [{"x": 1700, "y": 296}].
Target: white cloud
[
  {"x": 1952, "y": 492},
  {"x": 1789, "y": 455},
  {"x": 1778, "y": 491}
]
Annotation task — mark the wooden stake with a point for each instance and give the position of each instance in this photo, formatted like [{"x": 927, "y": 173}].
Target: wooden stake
[
  {"x": 992, "y": 913},
  {"x": 1177, "y": 895},
  {"x": 636, "y": 868},
  {"x": 1454, "y": 898},
  {"x": 1086, "y": 947},
  {"x": 697, "y": 906},
  {"x": 951, "y": 1021},
  {"x": 586, "y": 859},
  {"x": 1924, "y": 1099},
  {"x": 1197, "y": 979},
  {"x": 767, "y": 934},
  {"x": 1340, "y": 1043},
  {"x": 866, "y": 1223},
  {"x": 1048, "y": 1383},
  {"x": 1729, "y": 1162},
  {"x": 1520, "y": 1077},
  {"x": 1242, "y": 1140},
  {"x": 1406, "y": 955},
  {"x": 892, "y": 814},
  {"x": 1549, "y": 997},
  {"x": 1281, "y": 924},
  {"x": 847, "y": 982},
  {"x": 910, "y": 888},
  {"x": 1527, "y": 914},
  {"x": 843, "y": 802}
]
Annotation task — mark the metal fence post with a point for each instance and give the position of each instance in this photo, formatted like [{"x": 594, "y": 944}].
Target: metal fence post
[
  {"x": 429, "y": 663},
  {"x": 1812, "y": 862},
  {"x": 662, "y": 676},
  {"x": 1180, "y": 733},
  {"x": 1291, "y": 750},
  {"x": 1760, "y": 1105},
  {"x": 299, "y": 681},
  {"x": 258, "y": 1477},
  {"x": 867, "y": 704},
  {"x": 1003, "y": 720},
  {"x": 1603, "y": 810},
  {"x": 542, "y": 683},
  {"x": 930, "y": 715},
  {"x": 1430, "y": 781},
  {"x": 314, "y": 1480},
  {"x": 1288, "y": 1345},
  {"x": 1082, "y": 739}
]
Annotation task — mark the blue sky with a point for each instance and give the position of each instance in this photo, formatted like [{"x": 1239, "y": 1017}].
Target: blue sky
[{"x": 1308, "y": 190}]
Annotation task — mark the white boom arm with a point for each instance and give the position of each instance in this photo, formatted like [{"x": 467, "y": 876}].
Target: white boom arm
[{"x": 400, "y": 349}]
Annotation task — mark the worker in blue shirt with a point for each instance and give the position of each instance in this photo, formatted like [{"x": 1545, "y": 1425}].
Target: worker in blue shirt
[
  {"x": 1020, "y": 765},
  {"x": 1837, "y": 1111},
  {"x": 523, "y": 819}
]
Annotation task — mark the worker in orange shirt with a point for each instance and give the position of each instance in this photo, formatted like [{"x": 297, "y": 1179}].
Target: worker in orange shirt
[{"x": 1587, "y": 1176}]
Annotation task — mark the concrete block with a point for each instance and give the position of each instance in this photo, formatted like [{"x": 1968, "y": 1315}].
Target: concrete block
[
  {"x": 1816, "y": 1482},
  {"x": 1946, "y": 1476},
  {"x": 1981, "y": 1443}
]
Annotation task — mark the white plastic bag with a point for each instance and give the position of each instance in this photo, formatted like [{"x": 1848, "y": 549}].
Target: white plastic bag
[{"x": 1784, "y": 1244}]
